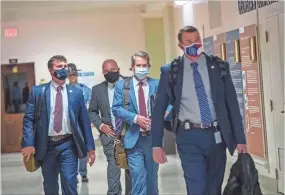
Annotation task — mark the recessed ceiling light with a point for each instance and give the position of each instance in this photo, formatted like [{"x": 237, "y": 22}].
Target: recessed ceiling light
[{"x": 180, "y": 2}]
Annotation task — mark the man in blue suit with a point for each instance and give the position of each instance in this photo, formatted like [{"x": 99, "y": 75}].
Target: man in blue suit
[
  {"x": 205, "y": 114},
  {"x": 138, "y": 138},
  {"x": 56, "y": 141}
]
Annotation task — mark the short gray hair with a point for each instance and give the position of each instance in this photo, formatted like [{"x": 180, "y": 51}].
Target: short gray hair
[{"x": 141, "y": 54}]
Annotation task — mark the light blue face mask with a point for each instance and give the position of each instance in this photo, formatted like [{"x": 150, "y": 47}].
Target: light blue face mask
[{"x": 141, "y": 72}]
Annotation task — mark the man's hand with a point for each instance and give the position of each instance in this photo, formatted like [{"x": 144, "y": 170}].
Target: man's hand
[
  {"x": 143, "y": 122},
  {"x": 27, "y": 152},
  {"x": 108, "y": 130},
  {"x": 159, "y": 155},
  {"x": 242, "y": 148},
  {"x": 91, "y": 157}
]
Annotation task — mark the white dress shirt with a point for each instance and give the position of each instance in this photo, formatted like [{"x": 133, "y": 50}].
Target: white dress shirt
[
  {"x": 146, "y": 96},
  {"x": 66, "y": 127},
  {"x": 111, "y": 89}
]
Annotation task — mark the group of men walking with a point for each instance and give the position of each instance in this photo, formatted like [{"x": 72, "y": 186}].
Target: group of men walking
[{"x": 195, "y": 89}]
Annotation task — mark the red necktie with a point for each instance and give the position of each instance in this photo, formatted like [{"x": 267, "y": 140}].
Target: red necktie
[
  {"x": 142, "y": 105},
  {"x": 58, "y": 110}
]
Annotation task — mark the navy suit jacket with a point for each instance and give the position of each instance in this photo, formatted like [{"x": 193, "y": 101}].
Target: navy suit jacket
[
  {"x": 224, "y": 98},
  {"x": 79, "y": 121}
]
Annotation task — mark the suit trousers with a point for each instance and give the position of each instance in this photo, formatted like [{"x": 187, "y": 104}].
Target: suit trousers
[
  {"x": 142, "y": 167},
  {"x": 60, "y": 159},
  {"x": 114, "y": 172},
  {"x": 203, "y": 161},
  {"x": 82, "y": 168}
]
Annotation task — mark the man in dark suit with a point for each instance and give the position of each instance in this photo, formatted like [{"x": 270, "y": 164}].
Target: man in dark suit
[
  {"x": 101, "y": 115},
  {"x": 57, "y": 142},
  {"x": 206, "y": 115}
]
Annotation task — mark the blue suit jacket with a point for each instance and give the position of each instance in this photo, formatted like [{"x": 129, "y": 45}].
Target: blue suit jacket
[
  {"x": 128, "y": 116},
  {"x": 78, "y": 116},
  {"x": 224, "y": 98}
]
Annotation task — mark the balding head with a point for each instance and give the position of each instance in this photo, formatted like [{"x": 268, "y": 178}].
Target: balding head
[{"x": 110, "y": 65}]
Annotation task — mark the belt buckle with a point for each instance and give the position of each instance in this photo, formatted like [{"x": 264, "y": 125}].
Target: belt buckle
[
  {"x": 145, "y": 133},
  {"x": 215, "y": 124},
  {"x": 187, "y": 125},
  {"x": 202, "y": 126}
]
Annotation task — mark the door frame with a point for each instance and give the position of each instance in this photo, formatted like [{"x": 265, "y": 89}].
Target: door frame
[
  {"x": 274, "y": 113},
  {"x": 13, "y": 116}
]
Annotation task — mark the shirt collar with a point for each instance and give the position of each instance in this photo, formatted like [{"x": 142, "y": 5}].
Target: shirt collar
[
  {"x": 111, "y": 85},
  {"x": 136, "y": 82},
  {"x": 200, "y": 60},
  {"x": 55, "y": 85}
]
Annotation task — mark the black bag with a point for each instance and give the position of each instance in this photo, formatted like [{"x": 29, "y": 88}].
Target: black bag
[{"x": 243, "y": 178}]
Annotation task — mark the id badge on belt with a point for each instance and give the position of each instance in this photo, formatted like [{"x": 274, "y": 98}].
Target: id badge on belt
[{"x": 218, "y": 136}]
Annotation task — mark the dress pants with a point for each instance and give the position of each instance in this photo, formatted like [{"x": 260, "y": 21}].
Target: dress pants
[
  {"x": 82, "y": 169},
  {"x": 203, "y": 161},
  {"x": 142, "y": 167},
  {"x": 113, "y": 172},
  {"x": 60, "y": 159}
]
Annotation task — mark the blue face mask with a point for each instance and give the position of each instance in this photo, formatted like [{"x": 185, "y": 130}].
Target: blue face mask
[
  {"x": 141, "y": 72},
  {"x": 193, "y": 50},
  {"x": 61, "y": 74}
]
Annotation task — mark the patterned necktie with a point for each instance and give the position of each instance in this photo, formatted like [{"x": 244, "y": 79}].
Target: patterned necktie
[
  {"x": 142, "y": 105},
  {"x": 205, "y": 112},
  {"x": 57, "y": 124},
  {"x": 118, "y": 125}
]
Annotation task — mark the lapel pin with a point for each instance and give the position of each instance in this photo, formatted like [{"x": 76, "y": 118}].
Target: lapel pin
[
  {"x": 212, "y": 67},
  {"x": 70, "y": 91}
]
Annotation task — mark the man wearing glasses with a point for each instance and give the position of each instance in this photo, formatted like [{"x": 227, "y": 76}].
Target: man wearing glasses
[{"x": 72, "y": 77}]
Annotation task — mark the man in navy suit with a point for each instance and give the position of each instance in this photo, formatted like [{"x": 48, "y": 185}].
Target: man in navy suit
[
  {"x": 205, "y": 114},
  {"x": 138, "y": 138},
  {"x": 58, "y": 143}
]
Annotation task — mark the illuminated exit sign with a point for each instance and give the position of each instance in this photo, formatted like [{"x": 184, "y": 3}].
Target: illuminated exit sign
[{"x": 11, "y": 32}]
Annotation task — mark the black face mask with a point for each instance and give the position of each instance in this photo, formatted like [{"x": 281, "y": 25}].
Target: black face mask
[{"x": 112, "y": 77}]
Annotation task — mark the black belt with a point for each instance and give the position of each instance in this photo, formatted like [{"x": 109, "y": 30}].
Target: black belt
[
  {"x": 145, "y": 133},
  {"x": 187, "y": 124},
  {"x": 58, "y": 137}
]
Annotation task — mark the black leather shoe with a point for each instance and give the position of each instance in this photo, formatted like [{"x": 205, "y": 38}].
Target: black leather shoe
[{"x": 85, "y": 179}]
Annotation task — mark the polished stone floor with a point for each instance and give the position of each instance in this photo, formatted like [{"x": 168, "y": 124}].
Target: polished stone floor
[{"x": 15, "y": 180}]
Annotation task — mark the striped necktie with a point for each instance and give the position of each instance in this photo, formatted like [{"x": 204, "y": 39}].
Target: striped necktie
[{"x": 205, "y": 111}]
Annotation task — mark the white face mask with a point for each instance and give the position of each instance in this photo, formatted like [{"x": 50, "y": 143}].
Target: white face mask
[{"x": 141, "y": 72}]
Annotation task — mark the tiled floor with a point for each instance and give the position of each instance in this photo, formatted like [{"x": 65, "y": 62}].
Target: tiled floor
[{"x": 15, "y": 180}]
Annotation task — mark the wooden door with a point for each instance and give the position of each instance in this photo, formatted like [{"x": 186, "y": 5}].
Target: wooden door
[{"x": 17, "y": 81}]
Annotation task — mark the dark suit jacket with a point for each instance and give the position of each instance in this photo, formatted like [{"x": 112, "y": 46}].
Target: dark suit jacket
[
  {"x": 80, "y": 123},
  {"x": 224, "y": 98},
  {"x": 99, "y": 107}
]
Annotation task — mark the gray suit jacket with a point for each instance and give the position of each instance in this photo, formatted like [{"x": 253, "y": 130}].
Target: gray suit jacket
[{"x": 99, "y": 107}]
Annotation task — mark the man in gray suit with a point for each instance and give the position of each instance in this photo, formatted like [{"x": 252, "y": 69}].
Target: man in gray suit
[{"x": 100, "y": 113}]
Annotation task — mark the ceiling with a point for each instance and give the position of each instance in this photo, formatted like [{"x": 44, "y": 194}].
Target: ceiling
[{"x": 15, "y": 9}]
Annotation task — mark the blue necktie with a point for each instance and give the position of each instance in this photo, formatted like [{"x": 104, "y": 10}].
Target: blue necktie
[{"x": 205, "y": 112}]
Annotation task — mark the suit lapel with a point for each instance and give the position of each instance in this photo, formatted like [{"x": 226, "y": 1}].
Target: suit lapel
[
  {"x": 106, "y": 96},
  {"x": 151, "y": 83},
  {"x": 70, "y": 92},
  {"x": 212, "y": 77},
  {"x": 179, "y": 84},
  {"x": 132, "y": 95},
  {"x": 48, "y": 100}
]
